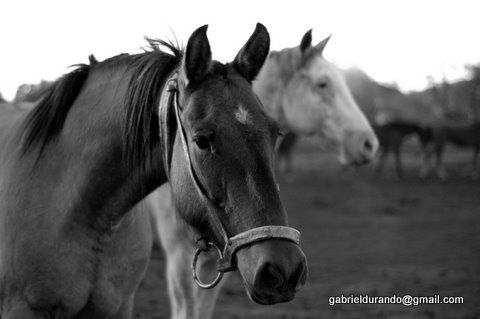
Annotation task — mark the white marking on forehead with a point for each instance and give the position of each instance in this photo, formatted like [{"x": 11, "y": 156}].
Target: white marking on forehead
[{"x": 242, "y": 115}]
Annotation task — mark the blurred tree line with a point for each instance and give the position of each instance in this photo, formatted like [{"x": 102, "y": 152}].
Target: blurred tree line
[
  {"x": 31, "y": 92},
  {"x": 453, "y": 103}
]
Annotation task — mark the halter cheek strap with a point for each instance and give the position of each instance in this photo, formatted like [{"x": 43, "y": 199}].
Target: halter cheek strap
[
  {"x": 170, "y": 121},
  {"x": 169, "y": 115}
]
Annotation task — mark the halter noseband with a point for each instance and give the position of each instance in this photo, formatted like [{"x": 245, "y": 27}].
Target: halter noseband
[{"x": 168, "y": 105}]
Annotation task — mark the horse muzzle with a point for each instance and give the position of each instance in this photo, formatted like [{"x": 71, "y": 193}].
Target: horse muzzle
[
  {"x": 359, "y": 147},
  {"x": 253, "y": 237},
  {"x": 272, "y": 270}
]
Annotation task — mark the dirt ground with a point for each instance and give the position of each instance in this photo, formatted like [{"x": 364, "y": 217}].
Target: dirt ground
[{"x": 365, "y": 234}]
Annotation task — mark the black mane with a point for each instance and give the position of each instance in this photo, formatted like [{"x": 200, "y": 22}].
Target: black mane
[
  {"x": 150, "y": 70},
  {"x": 46, "y": 120}
]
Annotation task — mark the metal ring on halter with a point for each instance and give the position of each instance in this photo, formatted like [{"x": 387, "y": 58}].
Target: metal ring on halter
[{"x": 217, "y": 279}]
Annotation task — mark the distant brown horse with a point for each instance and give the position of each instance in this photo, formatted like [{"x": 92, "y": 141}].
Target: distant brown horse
[
  {"x": 74, "y": 239},
  {"x": 392, "y": 135},
  {"x": 465, "y": 136}
]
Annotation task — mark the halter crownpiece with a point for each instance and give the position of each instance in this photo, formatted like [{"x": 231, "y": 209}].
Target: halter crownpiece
[{"x": 169, "y": 101}]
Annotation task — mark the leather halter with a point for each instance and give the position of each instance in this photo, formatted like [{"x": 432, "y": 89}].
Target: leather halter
[{"x": 169, "y": 122}]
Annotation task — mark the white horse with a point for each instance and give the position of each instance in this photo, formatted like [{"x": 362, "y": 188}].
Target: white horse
[{"x": 306, "y": 95}]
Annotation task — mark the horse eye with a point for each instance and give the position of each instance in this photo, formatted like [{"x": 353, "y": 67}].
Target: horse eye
[
  {"x": 322, "y": 85},
  {"x": 202, "y": 142}
]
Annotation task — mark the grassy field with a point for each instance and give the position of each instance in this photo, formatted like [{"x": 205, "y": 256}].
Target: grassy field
[{"x": 366, "y": 234}]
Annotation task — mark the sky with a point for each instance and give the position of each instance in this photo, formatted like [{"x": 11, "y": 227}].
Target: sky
[{"x": 400, "y": 42}]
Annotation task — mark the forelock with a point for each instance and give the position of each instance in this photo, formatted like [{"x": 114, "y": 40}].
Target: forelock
[{"x": 242, "y": 115}]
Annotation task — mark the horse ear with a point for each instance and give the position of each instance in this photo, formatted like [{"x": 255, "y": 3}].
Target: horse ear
[
  {"x": 321, "y": 46},
  {"x": 251, "y": 57},
  {"x": 306, "y": 41},
  {"x": 198, "y": 56},
  {"x": 92, "y": 59}
]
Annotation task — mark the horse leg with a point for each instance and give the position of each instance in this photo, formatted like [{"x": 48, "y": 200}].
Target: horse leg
[
  {"x": 177, "y": 248},
  {"x": 440, "y": 169},
  {"x": 398, "y": 162},
  {"x": 180, "y": 283},
  {"x": 205, "y": 300},
  {"x": 476, "y": 150},
  {"x": 425, "y": 168},
  {"x": 187, "y": 300},
  {"x": 381, "y": 160}
]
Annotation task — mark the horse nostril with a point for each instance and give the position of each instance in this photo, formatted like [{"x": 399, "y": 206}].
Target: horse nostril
[
  {"x": 270, "y": 276},
  {"x": 367, "y": 145},
  {"x": 299, "y": 276}
]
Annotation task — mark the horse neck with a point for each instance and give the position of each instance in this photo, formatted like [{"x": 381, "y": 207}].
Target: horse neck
[
  {"x": 84, "y": 167},
  {"x": 275, "y": 75}
]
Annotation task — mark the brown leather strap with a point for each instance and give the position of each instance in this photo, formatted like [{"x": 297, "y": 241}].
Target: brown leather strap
[
  {"x": 252, "y": 236},
  {"x": 167, "y": 123},
  {"x": 212, "y": 209}
]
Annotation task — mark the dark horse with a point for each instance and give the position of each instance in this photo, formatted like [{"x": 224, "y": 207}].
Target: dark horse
[
  {"x": 467, "y": 136},
  {"x": 73, "y": 241},
  {"x": 391, "y": 137}
]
